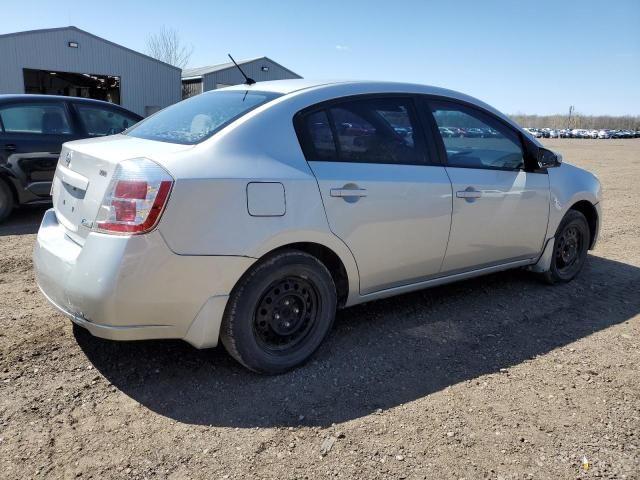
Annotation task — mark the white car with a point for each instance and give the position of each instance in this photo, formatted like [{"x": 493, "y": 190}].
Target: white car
[
  {"x": 249, "y": 214},
  {"x": 604, "y": 134},
  {"x": 534, "y": 132}
]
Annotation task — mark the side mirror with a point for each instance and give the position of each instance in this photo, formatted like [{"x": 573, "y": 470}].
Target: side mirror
[{"x": 548, "y": 159}]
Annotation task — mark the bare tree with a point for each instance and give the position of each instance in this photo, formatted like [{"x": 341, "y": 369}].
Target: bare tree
[{"x": 167, "y": 47}]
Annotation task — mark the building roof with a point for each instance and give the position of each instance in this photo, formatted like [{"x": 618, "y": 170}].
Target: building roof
[
  {"x": 76, "y": 29},
  {"x": 201, "y": 71}
]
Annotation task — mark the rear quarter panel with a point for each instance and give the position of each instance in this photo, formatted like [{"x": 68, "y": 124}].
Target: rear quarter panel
[{"x": 207, "y": 213}]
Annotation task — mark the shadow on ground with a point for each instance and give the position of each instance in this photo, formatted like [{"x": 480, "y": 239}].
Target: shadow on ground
[
  {"x": 23, "y": 221},
  {"x": 379, "y": 355}
]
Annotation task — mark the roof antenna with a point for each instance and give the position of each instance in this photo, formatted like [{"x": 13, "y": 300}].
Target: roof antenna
[{"x": 247, "y": 80}]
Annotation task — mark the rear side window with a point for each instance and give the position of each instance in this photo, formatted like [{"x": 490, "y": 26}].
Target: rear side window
[
  {"x": 473, "y": 139},
  {"x": 372, "y": 130},
  {"x": 32, "y": 118},
  {"x": 321, "y": 137},
  {"x": 198, "y": 118},
  {"x": 101, "y": 121}
]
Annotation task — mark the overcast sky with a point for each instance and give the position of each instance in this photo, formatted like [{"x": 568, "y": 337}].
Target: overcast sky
[{"x": 537, "y": 56}]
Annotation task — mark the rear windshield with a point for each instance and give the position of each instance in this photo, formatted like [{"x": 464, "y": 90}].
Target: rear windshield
[{"x": 196, "y": 119}]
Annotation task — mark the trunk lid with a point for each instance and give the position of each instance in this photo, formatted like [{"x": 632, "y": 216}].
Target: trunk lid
[{"x": 84, "y": 172}]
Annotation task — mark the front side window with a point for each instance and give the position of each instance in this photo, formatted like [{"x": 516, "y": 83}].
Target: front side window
[
  {"x": 198, "y": 118},
  {"x": 473, "y": 139},
  {"x": 100, "y": 121},
  {"x": 42, "y": 119},
  {"x": 371, "y": 130}
]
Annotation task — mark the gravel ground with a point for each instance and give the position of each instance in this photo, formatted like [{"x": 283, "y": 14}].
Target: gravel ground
[{"x": 498, "y": 377}]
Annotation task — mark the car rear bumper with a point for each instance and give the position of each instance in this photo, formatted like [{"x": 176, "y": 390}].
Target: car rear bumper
[{"x": 134, "y": 287}]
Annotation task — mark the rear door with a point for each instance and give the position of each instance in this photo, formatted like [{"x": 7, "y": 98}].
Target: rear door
[
  {"x": 383, "y": 195},
  {"x": 500, "y": 205},
  {"x": 33, "y": 133}
]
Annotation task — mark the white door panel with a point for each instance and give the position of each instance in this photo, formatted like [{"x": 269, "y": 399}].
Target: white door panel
[
  {"x": 498, "y": 215},
  {"x": 394, "y": 218}
]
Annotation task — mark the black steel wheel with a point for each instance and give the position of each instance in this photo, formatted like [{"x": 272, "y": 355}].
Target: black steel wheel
[
  {"x": 286, "y": 313},
  {"x": 570, "y": 248},
  {"x": 280, "y": 312},
  {"x": 6, "y": 200}
]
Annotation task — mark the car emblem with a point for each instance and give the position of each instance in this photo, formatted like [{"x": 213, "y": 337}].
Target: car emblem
[{"x": 67, "y": 158}]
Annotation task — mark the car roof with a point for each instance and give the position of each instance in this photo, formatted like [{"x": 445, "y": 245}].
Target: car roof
[
  {"x": 338, "y": 88},
  {"x": 295, "y": 85},
  {"x": 29, "y": 97}
]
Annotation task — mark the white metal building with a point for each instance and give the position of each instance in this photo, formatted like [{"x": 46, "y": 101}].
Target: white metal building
[{"x": 70, "y": 61}]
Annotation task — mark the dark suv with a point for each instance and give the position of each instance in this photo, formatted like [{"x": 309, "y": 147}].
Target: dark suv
[{"x": 32, "y": 131}]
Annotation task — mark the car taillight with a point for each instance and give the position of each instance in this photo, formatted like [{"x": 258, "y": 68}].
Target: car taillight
[{"x": 135, "y": 198}]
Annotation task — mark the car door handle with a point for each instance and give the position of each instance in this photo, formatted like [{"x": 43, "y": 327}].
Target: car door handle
[
  {"x": 468, "y": 194},
  {"x": 348, "y": 192},
  {"x": 9, "y": 147}
]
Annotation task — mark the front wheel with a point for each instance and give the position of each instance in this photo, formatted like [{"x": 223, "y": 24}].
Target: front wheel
[
  {"x": 570, "y": 247},
  {"x": 280, "y": 312},
  {"x": 6, "y": 201}
]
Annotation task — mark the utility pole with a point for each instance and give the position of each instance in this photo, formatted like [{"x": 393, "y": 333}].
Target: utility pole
[{"x": 571, "y": 107}]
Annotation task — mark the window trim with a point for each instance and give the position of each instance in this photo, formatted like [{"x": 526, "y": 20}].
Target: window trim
[
  {"x": 530, "y": 164},
  {"x": 62, "y": 104},
  {"x": 426, "y": 150}
]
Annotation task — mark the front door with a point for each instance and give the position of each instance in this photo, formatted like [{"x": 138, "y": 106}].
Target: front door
[
  {"x": 383, "y": 198},
  {"x": 500, "y": 208}
]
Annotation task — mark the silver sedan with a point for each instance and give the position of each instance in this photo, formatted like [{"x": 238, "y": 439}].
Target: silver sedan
[{"x": 250, "y": 214}]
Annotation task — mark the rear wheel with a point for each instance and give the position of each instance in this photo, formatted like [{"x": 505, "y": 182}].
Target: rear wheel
[
  {"x": 280, "y": 312},
  {"x": 570, "y": 248},
  {"x": 6, "y": 201}
]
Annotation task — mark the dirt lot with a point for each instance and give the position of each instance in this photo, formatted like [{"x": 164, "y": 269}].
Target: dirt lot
[{"x": 499, "y": 377}]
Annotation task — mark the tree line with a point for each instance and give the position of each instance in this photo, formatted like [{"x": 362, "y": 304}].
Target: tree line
[{"x": 577, "y": 120}]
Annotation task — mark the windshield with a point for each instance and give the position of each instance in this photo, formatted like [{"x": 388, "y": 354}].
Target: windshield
[{"x": 196, "y": 119}]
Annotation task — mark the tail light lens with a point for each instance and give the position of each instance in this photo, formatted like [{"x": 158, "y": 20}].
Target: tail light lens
[{"x": 135, "y": 198}]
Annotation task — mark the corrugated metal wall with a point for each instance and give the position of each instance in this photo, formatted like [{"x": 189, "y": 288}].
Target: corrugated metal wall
[
  {"x": 232, "y": 76},
  {"x": 144, "y": 82}
]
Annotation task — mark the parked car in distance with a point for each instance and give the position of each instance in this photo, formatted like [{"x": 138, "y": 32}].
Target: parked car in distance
[
  {"x": 446, "y": 132},
  {"x": 604, "y": 134},
  {"x": 554, "y": 134},
  {"x": 474, "y": 133},
  {"x": 32, "y": 131},
  {"x": 533, "y": 132},
  {"x": 563, "y": 133},
  {"x": 246, "y": 215}
]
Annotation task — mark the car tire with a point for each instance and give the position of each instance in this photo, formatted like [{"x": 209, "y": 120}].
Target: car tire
[
  {"x": 571, "y": 243},
  {"x": 6, "y": 201},
  {"x": 279, "y": 312}
]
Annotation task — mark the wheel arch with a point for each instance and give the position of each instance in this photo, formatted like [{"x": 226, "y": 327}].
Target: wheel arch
[
  {"x": 590, "y": 212},
  {"x": 333, "y": 254}
]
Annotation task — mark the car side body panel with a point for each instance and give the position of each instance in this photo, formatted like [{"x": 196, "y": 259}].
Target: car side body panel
[
  {"x": 568, "y": 186},
  {"x": 207, "y": 233}
]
